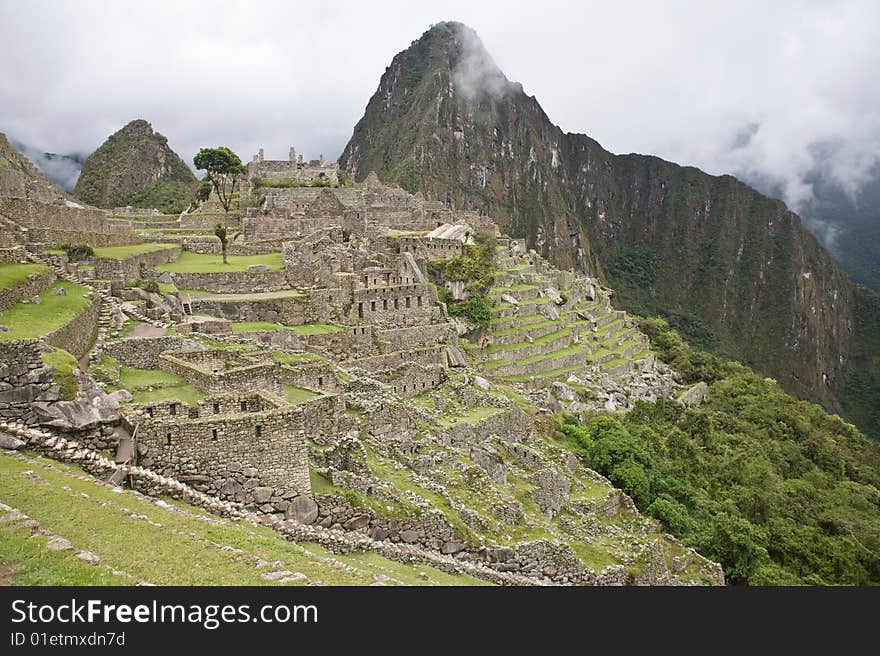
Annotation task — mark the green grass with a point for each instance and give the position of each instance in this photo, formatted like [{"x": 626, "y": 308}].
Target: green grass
[
  {"x": 186, "y": 393},
  {"x": 125, "y": 252},
  {"x": 385, "y": 470},
  {"x": 208, "y": 263},
  {"x": 151, "y": 385},
  {"x": 64, "y": 364},
  {"x": 166, "y": 548},
  {"x": 256, "y": 326},
  {"x": 133, "y": 378},
  {"x": 27, "y": 320},
  {"x": 539, "y": 341},
  {"x": 559, "y": 353},
  {"x": 295, "y": 395},
  {"x": 13, "y": 275},
  {"x": 30, "y": 563},
  {"x": 316, "y": 329}
]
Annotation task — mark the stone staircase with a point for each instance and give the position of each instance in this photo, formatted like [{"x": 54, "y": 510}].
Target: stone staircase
[{"x": 111, "y": 315}]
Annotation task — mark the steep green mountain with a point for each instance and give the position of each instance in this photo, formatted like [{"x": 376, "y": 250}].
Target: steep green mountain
[
  {"x": 733, "y": 270},
  {"x": 20, "y": 178},
  {"x": 135, "y": 166}
]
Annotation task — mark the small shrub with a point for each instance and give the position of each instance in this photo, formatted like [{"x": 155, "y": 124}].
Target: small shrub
[
  {"x": 352, "y": 497},
  {"x": 78, "y": 252},
  {"x": 151, "y": 286},
  {"x": 475, "y": 309}
]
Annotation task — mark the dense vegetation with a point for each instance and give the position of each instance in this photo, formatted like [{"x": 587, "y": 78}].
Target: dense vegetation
[
  {"x": 167, "y": 196},
  {"x": 775, "y": 489},
  {"x": 476, "y": 269},
  {"x": 137, "y": 167},
  {"x": 77, "y": 252}
]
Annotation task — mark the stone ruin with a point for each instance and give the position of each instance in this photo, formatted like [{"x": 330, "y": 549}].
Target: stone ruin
[{"x": 293, "y": 169}]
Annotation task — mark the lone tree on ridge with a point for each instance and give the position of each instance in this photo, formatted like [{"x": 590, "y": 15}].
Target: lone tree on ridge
[{"x": 223, "y": 169}]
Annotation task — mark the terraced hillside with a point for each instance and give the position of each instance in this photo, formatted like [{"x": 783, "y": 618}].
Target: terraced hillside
[
  {"x": 60, "y": 526},
  {"x": 550, "y": 326}
]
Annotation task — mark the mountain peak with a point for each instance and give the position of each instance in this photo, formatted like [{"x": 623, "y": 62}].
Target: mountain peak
[
  {"x": 135, "y": 165},
  {"x": 474, "y": 72}
]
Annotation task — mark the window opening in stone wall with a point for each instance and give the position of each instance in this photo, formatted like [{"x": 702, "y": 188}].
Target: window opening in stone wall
[
  {"x": 214, "y": 434},
  {"x": 172, "y": 409},
  {"x": 244, "y": 406},
  {"x": 168, "y": 439},
  {"x": 258, "y": 430},
  {"x": 216, "y": 408}
]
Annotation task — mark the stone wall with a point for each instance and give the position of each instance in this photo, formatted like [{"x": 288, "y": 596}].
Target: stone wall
[
  {"x": 257, "y": 458},
  {"x": 76, "y": 337},
  {"x": 510, "y": 425},
  {"x": 57, "y": 237},
  {"x": 24, "y": 378},
  {"x": 427, "y": 357},
  {"x": 430, "y": 248},
  {"x": 144, "y": 352},
  {"x": 56, "y": 223},
  {"x": 129, "y": 269},
  {"x": 412, "y": 379},
  {"x": 214, "y": 375},
  {"x": 12, "y": 255},
  {"x": 232, "y": 281},
  {"x": 396, "y": 306},
  {"x": 405, "y": 339},
  {"x": 289, "y": 311},
  {"x": 316, "y": 376},
  {"x": 34, "y": 286}
]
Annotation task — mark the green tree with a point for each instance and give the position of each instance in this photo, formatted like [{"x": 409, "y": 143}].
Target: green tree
[
  {"x": 223, "y": 168},
  {"x": 221, "y": 233}
]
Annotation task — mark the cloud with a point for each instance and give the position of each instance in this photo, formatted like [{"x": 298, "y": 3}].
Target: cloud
[
  {"x": 63, "y": 170},
  {"x": 476, "y": 72},
  {"x": 772, "y": 92}
]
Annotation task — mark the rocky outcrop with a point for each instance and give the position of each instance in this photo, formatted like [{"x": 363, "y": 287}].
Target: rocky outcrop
[{"x": 91, "y": 407}]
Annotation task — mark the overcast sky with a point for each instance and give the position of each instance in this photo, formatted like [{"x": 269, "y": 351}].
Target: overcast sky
[{"x": 751, "y": 88}]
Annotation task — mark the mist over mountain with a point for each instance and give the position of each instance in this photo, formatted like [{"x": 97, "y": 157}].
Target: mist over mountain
[{"x": 61, "y": 168}]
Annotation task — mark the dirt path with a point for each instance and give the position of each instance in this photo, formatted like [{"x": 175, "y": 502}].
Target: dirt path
[{"x": 147, "y": 330}]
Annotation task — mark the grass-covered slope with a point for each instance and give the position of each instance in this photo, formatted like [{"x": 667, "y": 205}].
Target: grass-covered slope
[
  {"x": 27, "y": 320},
  {"x": 773, "y": 488},
  {"x": 165, "y": 544},
  {"x": 135, "y": 166}
]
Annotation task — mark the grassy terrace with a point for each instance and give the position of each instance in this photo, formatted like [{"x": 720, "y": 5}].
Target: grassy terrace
[
  {"x": 202, "y": 263},
  {"x": 150, "y": 385},
  {"x": 295, "y": 358},
  {"x": 295, "y": 395},
  {"x": 522, "y": 320},
  {"x": 27, "y": 320},
  {"x": 540, "y": 341},
  {"x": 12, "y": 275},
  {"x": 302, "y": 329},
  {"x": 162, "y": 548},
  {"x": 125, "y": 252}
]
